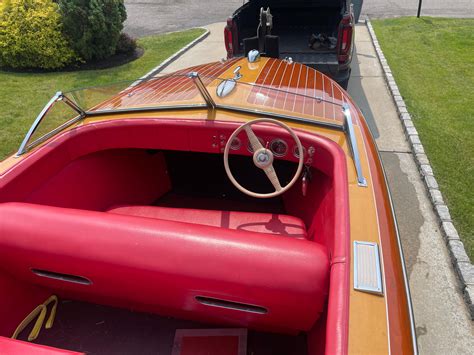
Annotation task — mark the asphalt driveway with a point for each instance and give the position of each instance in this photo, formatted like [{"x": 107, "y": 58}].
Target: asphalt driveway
[{"x": 146, "y": 17}]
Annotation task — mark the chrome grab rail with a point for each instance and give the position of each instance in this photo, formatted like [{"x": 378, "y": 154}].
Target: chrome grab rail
[
  {"x": 59, "y": 96},
  {"x": 349, "y": 128}
]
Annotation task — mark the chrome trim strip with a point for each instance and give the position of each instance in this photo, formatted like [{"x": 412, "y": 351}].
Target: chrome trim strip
[
  {"x": 282, "y": 116},
  {"x": 402, "y": 257},
  {"x": 378, "y": 289},
  {"x": 221, "y": 107},
  {"x": 194, "y": 76},
  {"x": 349, "y": 127},
  {"x": 400, "y": 251},
  {"x": 145, "y": 109}
]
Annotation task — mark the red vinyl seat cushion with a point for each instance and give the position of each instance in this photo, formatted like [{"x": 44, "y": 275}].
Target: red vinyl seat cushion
[
  {"x": 168, "y": 267},
  {"x": 278, "y": 224},
  {"x": 16, "y": 347}
]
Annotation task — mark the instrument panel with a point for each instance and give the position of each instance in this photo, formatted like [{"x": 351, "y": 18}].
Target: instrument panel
[{"x": 280, "y": 147}]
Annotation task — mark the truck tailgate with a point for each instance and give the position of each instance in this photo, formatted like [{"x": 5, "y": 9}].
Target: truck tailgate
[{"x": 313, "y": 58}]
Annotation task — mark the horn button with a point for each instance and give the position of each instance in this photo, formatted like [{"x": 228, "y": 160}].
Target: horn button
[{"x": 263, "y": 158}]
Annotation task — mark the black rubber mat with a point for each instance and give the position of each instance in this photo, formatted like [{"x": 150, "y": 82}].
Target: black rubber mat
[{"x": 101, "y": 330}]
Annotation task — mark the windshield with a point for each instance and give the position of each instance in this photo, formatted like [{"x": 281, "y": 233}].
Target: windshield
[
  {"x": 181, "y": 89},
  {"x": 308, "y": 102}
]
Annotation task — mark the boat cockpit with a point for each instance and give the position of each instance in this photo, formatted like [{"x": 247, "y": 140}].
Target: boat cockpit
[{"x": 213, "y": 221}]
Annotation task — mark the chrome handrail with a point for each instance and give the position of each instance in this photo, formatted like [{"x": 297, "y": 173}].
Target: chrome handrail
[
  {"x": 349, "y": 128},
  {"x": 59, "y": 96}
]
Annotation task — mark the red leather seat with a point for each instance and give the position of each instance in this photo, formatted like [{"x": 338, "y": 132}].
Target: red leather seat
[
  {"x": 172, "y": 268},
  {"x": 279, "y": 224},
  {"x": 16, "y": 347}
]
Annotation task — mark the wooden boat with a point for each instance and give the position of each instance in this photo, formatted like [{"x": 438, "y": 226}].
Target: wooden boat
[{"x": 242, "y": 199}]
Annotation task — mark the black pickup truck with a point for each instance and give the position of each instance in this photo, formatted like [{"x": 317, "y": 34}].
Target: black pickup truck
[{"x": 318, "y": 33}]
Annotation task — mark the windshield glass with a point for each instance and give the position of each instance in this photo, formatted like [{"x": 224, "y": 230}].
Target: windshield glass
[
  {"x": 182, "y": 90},
  {"x": 309, "y": 101}
]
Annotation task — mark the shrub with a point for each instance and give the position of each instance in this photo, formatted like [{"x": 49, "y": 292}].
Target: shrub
[
  {"x": 93, "y": 27},
  {"x": 126, "y": 44},
  {"x": 31, "y": 37}
]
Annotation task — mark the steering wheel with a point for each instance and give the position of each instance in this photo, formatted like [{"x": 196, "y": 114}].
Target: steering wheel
[{"x": 263, "y": 158}]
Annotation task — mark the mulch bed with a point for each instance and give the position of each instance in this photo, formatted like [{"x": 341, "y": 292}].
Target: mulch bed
[{"x": 113, "y": 61}]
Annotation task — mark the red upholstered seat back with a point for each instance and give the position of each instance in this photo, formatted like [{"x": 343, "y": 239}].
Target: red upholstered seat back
[{"x": 169, "y": 267}]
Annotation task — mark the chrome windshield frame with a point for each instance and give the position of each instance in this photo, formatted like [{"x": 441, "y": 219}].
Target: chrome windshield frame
[
  {"x": 59, "y": 96},
  {"x": 208, "y": 103}
]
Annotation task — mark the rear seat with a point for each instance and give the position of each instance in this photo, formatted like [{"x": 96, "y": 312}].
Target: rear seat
[{"x": 184, "y": 270}]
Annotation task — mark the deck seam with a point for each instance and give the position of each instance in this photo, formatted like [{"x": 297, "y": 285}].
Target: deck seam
[{"x": 463, "y": 267}]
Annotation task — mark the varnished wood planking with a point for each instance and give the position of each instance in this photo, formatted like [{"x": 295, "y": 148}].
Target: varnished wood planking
[
  {"x": 289, "y": 82},
  {"x": 169, "y": 88}
]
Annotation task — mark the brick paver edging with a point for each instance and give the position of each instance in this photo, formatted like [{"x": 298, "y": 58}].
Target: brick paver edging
[{"x": 462, "y": 265}]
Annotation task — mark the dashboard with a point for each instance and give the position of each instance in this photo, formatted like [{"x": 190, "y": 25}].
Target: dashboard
[{"x": 281, "y": 148}]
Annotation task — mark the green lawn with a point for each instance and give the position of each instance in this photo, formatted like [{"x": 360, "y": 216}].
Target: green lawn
[
  {"x": 23, "y": 95},
  {"x": 432, "y": 60}
]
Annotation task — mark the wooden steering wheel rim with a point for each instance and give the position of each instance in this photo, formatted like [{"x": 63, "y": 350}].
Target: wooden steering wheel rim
[{"x": 256, "y": 194}]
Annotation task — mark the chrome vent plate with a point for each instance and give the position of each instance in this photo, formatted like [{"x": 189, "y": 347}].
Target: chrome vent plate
[{"x": 367, "y": 269}]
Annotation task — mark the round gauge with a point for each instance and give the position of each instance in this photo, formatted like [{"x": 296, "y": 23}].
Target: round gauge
[
  {"x": 296, "y": 151},
  {"x": 249, "y": 146},
  {"x": 279, "y": 147},
  {"x": 236, "y": 144}
]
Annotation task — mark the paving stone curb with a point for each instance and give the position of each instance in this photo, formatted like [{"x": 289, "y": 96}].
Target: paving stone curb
[{"x": 462, "y": 265}]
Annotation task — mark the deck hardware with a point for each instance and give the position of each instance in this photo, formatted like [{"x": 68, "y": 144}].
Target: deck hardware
[
  {"x": 237, "y": 75},
  {"x": 367, "y": 268},
  {"x": 225, "y": 87},
  {"x": 59, "y": 96},
  {"x": 253, "y": 56},
  {"x": 349, "y": 128},
  {"x": 194, "y": 76},
  {"x": 236, "y": 306}
]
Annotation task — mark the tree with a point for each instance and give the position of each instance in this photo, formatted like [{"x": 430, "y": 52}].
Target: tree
[{"x": 93, "y": 27}]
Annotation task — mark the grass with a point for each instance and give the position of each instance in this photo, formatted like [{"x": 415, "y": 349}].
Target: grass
[
  {"x": 432, "y": 60},
  {"x": 23, "y": 95}
]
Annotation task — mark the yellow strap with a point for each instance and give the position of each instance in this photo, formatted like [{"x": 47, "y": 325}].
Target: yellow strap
[
  {"x": 50, "y": 321},
  {"x": 39, "y": 311}
]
